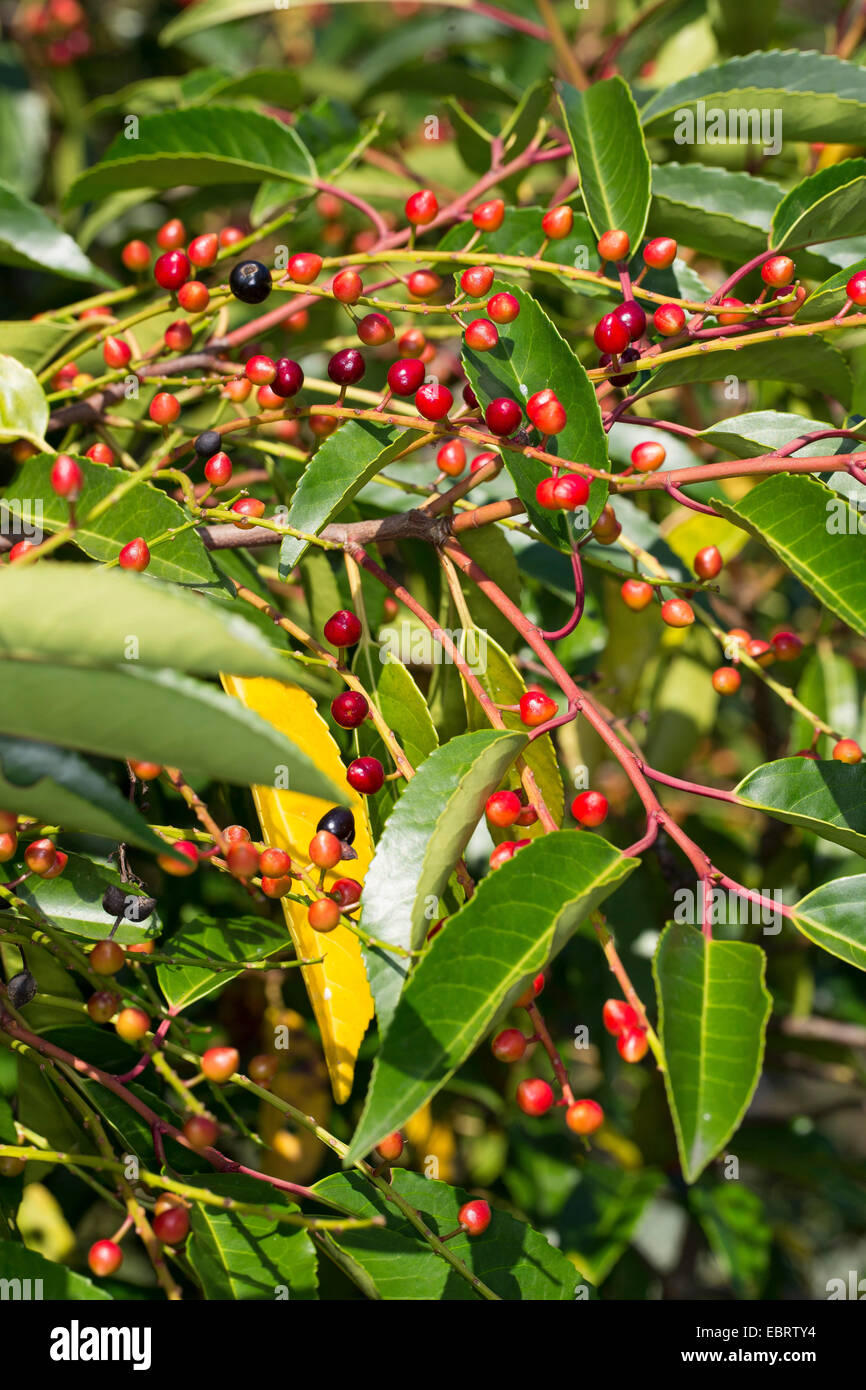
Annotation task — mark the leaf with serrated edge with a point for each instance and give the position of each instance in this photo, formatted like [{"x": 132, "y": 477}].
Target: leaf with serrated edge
[
  {"x": 827, "y": 798},
  {"x": 518, "y": 918},
  {"x": 223, "y": 940},
  {"x": 834, "y": 916},
  {"x": 237, "y": 1255},
  {"x": 607, "y": 140},
  {"x": 29, "y": 238},
  {"x": 23, "y": 407},
  {"x": 713, "y": 1009},
  {"x": 425, "y": 835},
  {"x": 813, "y": 364},
  {"x": 829, "y": 203}
]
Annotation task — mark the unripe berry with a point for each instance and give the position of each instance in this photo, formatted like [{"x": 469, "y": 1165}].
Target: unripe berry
[
  {"x": 276, "y": 887},
  {"x": 590, "y": 808},
  {"x": 476, "y": 280},
  {"x": 219, "y": 1063},
  {"x": 708, "y": 562},
  {"x": 546, "y": 412},
  {"x": 761, "y": 652},
  {"x": 502, "y": 809},
  {"x": 536, "y": 708},
  {"x": 349, "y": 709},
  {"x": 102, "y": 1005},
  {"x": 19, "y": 550},
  {"x": 503, "y": 307},
  {"x": 346, "y": 892},
  {"x": 136, "y": 255},
  {"x": 193, "y": 296},
  {"x": 474, "y": 1217},
  {"x": 778, "y": 271},
  {"x": 366, "y": 775},
  {"x": 248, "y": 510},
  {"x": 164, "y": 408},
  {"x": 178, "y": 336},
  {"x": 731, "y": 316},
  {"x": 171, "y": 234},
  {"x": 618, "y": 1015},
  {"x": 534, "y": 1096},
  {"x": 132, "y": 1024},
  {"x": 856, "y": 288},
  {"x": 847, "y": 751},
  {"x": 274, "y": 862},
  {"x": 433, "y": 401},
  {"x": 304, "y": 267},
  {"x": 171, "y": 1225},
  {"x": 611, "y": 334},
  {"x": 343, "y": 628},
  {"x": 451, "y": 458},
  {"x": 677, "y": 613},
  {"x": 503, "y": 852},
  {"x": 669, "y": 320},
  {"x": 116, "y": 352},
  {"x": 320, "y": 425},
  {"x": 242, "y": 860},
  {"x": 614, "y": 246},
  {"x": 325, "y": 850},
  {"x": 421, "y": 284},
  {"x": 8, "y": 845},
  {"x": 406, "y": 376},
  {"x": 660, "y": 252},
  {"x": 636, "y": 594},
  {"x": 8, "y": 821},
  {"x": 323, "y": 915},
  {"x": 421, "y": 207},
  {"x": 106, "y": 958},
  {"x": 509, "y": 1045},
  {"x": 263, "y": 1068},
  {"x": 172, "y": 270},
  {"x": 391, "y": 1147},
  {"x": 145, "y": 772},
  {"x": 104, "y": 1257},
  {"x": 39, "y": 856},
  {"x": 584, "y": 1117},
  {"x": 218, "y": 469},
  {"x": 503, "y": 416},
  {"x": 135, "y": 555},
  {"x": 375, "y": 329},
  {"x": 787, "y": 646},
  {"x": 186, "y": 865},
  {"x": 200, "y": 1132},
  {"x": 347, "y": 286},
  {"x": 632, "y": 1044},
  {"x": 727, "y": 680},
  {"x": 67, "y": 479},
  {"x": 557, "y": 222},
  {"x": 11, "y": 1167},
  {"x": 482, "y": 335},
  {"x": 230, "y": 236},
  {"x": 202, "y": 250}
]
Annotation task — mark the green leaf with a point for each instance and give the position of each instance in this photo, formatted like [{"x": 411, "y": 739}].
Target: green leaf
[
  {"x": 601, "y": 1213},
  {"x": 426, "y": 833},
  {"x": 834, "y": 916},
  {"x": 141, "y": 511},
  {"x": 276, "y": 86},
  {"x": 59, "y": 787},
  {"x": 718, "y": 211},
  {"x": 216, "y": 941},
  {"x": 815, "y": 533},
  {"x": 828, "y": 687},
  {"x": 46, "y": 614},
  {"x": 217, "y": 145},
  {"x": 734, "y": 1221},
  {"x": 713, "y": 1009},
  {"x": 339, "y": 468},
  {"x": 827, "y": 204},
  {"x": 828, "y": 298},
  {"x": 820, "y": 97},
  {"x": 810, "y": 363},
  {"x": 56, "y": 1281},
  {"x": 23, "y": 407},
  {"x": 158, "y": 716},
  {"x": 73, "y": 902},
  {"x": 31, "y": 240},
  {"x": 825, "y": 798},
  {"x": 762, "y": 431},
  {"x": 530, "y": 356},
  {"x": 614, "y": 167},
  {"x": 518, "y": 918},
  {"x": 239, "y": 1256},
  {"x": 512, "y": 1259},
  {"x": 35, "y": 344},
  {"x": 405, "y": 709}
]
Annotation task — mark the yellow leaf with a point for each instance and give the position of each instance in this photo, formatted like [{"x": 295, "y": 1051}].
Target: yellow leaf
[
  {"x": 338, "y": 987},
  {"x": 689, "y": 533}
]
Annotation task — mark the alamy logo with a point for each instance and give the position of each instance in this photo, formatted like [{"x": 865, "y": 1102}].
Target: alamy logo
[
  {"x": 736, "y": 126},
  {"x": 77, "y": 1343},
  {"x": 22, "y": 1290}
]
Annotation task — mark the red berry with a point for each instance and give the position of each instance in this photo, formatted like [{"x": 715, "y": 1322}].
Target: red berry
[
  {"x": 503, "y": 416},
  {"x": 660, "y": 252},
  {"x": 488, "y": 217},
  {"x": 545, "y": 494},
  {"x": 536, "y": 708},
  {"x": 412, "y": 342},
  {"x": 230, "y": 236},
  {"x": 856, "y": 288},
  {"x": 584, "y": 1117},
  {"x": 636, "y": 594},
  {"x": 669, "y": 320},
  {"x": 218, "y": 469},
  {"x": 421, "y": 284},
  {"x": 60, "y": 861},
  {"x": 8, "y": 845},
  {"x": 67, "y": 479},
  {"x": 178, "y": 336},
  {"x": 171, "y": 1226},
  {"x": 778, "y": 271},
  {"x": 349, "y": 709},
  {"x": 530, "y": 994},
  {"x": 242, "y": 860},
  {"x": 200, "y": 1132},
  {"x": 546, "y": 412},
  {"x": 375, "y": 329},
  {"x": 677, "y": 613},
  {"x": 509, "y": 1045},
  {"x": 503, "y": 307},
  {"x": 202, "y": 250},
  {"x": 391, "y": 1147},
  {"x": 406, "y": 376},
  {"x": 648, "y": 456},
  {"x": 304, "y": 267},
  {"x": 632, "y": 1044},
  {"x": 237, "y": 835},
  {"x": 421, "y": 207},
  {"x": 611, "y": 334},
  {"x": 347, "y": 286},
  {"x": 135, "y": 555},
  {"x": 534, "y": 1096},
  {"x": 787, "y": 646},
  {"x": 570, "y": 491},
  {"x": 171, "y": 235},
  {"x": 474, "y": 1217},
  {"x": 183, "y": 867},
  {"x": 451, "y": 458},
  {"x": 321, "y": 425},
  {"x": 132, "y": 1024},
  {"x": 482, "y": 460},
  {"x": 323, "y": 915},
  {"x": 274, "y": 862},
  {"x": 116, "y": 352},
  {"x": 347, "y": 892},
  {"x": 289, "y": 380},
  {"x": 847, "y": 751},
  {"x": 432, "y": 401},
  {"x": 727, "y": 680},
  {"x": 731, "y": 317},
  {"x": 346, "y": 367},
  {"x": 476, "y": 280},
  {"x": 633, "y": 317},
  {"x": 106, "y": 958},
  {"x": 193, "y": 296},
  {"x": 502, "y": 852},
  {"x": 136, "y": 255},
  {"x": 366, "y": 775},
  {"x": 276, "y": 887},
  {"x": 325, "y": 850},
  {"x": 614, "y": 246},
  {"x": 557, "y": 222},
  {"x": 482, "y": 335},
  {"x": 589, "y": 808},
  {"x": 761, "y": 652},
  {"x": 247, "y": 507},
  {"x": 104, "y": 1257},
  {"x": 470, "y": 397},
  {"x": 39, "y": 856},
  {"x": 708, "y": 562},
  {"x": 503, "y": 808},
  {"x": 172, "y": 270},
  {"x": 618, "y": 1015},
  {"x": 343, "y": 628},
  {"x": 219, "y": 1063},
  {"x": 164, "y": 408}
]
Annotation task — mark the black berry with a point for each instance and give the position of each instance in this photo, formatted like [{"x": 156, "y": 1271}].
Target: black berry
[
  {"x": 250, "y": 282},
  {"x": 206, "y": 443},
  {"x": 339, "y": 821}
]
